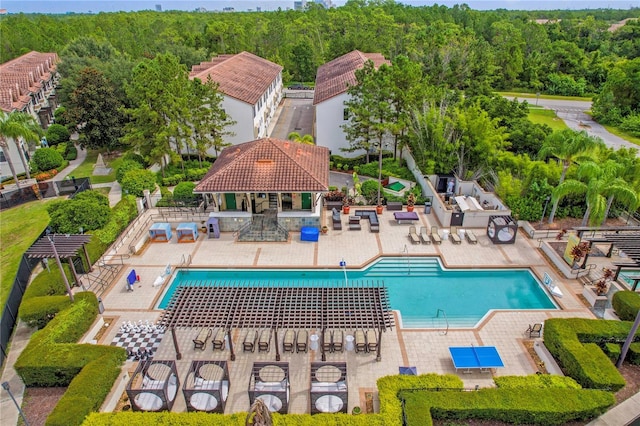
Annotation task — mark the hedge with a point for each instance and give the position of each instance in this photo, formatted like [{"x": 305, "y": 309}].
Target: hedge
[
  {"x": 549, "y": 406},
  {"x": 626, "y": 304},
  {"x": 538, "y": 381},
  {"x": 573, "y": 342},
  {"x": 52, "y": 358},
  {"x": 38, "y": 311}
]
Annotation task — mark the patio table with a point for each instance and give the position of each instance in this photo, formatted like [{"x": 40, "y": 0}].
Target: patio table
[{"x": 405, "y": 216}]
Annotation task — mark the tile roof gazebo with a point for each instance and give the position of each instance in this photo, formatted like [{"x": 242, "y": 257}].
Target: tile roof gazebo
[{"x": 267, "y": 179}]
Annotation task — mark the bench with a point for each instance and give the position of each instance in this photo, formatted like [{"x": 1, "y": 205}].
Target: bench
[
  {"x": 394, "y": 205},
  {"x": 372, "y": 216},
  {"x": 335, "y": 219}
]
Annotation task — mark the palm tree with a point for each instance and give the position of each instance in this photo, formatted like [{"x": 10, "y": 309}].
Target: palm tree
[
  {"x": 598, "y": 182},
  {"x": 306, "y": 139},
  {"x": 259, "y": 414},
  {"x": 568, "y": 146},
  {"x": 16, "y": 125}
]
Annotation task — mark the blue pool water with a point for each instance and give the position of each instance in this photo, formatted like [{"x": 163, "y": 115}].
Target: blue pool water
[{"x": 417, "y": 287}]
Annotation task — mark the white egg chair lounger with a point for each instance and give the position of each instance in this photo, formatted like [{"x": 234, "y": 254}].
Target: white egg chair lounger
[
  {"x": 153, "y": 386},
  {"x": 206, "y": 387}
]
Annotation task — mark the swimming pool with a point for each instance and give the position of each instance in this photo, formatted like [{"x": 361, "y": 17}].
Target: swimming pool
[{"x": 420, "y": 288}]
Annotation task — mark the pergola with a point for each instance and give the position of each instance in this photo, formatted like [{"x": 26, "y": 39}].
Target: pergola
[
  {"x": 61, "y": 246},
  {"x": 361, "y": 305}
]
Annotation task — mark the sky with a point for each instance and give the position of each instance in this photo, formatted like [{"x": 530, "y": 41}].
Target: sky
[{"x": 85, "y": 6}]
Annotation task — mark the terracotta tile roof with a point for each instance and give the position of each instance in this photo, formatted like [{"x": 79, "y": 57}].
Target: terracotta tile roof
[
  {"x": 243, "y": 76},
  {"x": 334, "y": 77},
  {"x": 22, "y": 76},
  {"x": 268, "y": 165}
]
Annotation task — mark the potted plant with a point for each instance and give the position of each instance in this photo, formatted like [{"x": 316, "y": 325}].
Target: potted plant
[
  {"x": 356, "y": 410},
  {"x": 324, "y": 229},
  {"x": 578, "y": 253},
  {"x": 601, "y": 286},
  {"x": 411, "y": 201},
  {"x": 346, "y": 204}
]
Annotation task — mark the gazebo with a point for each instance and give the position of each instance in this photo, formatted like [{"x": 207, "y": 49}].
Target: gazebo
[
  {"x": 61, "y": 246},
  {"x": 502, "y": 229}
]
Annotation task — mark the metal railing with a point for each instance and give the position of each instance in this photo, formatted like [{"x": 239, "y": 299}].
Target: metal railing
[{"x": 444, "y": 314}]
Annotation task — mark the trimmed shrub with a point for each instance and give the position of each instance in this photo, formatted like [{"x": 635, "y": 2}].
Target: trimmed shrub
[
  {"x": 71, "y": 153},
  {"x": 89, "y": 210},
  {"x": 38, "y": 311},
  {"x": 548, "y": 406},
  {"x": 125, "y": 167},
  {"x": 633, "y": 356},
  {"x": 57, "y": 133},
  {"x": 626, "y": 304},
  {"x": 574, "y": 344},
  {"x": 537, "y": 381},
  {"x": 136, "y": 181},
  {"x": 121, "y": 215},
  {"x": 184, "y": 191},
  {"x": 612, "y": 350},
  {"x": 46, "y": 159}
]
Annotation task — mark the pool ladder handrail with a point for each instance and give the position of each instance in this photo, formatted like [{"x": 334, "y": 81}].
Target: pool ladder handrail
[
  {"x": 405, "y": 252},
  {"x": 445, "y": 319}
]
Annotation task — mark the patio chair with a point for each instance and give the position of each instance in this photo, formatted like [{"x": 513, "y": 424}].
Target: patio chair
[
  {"x": 424, "y": 235},
  {"x": 435, "y": 236},
  {"x": 455, "y": 237},
  {"x": 471, "y": 237},
  {"x": 289, "y": 341},
  {"x": 200, "y": 342},
  {"x": 327, "y": 336},
  {"x": 413, "y": 235},
  {"x": 535, "y": 330},
  {"x": 218, "y": 339},
  {"x": 265, "y": 340},
  {"x": 361, "y": 341},
  {"x": 337, "y": 341},
  {"x": 372, "y": 340},
  {"x": 249, "y": 344},
  {"x": 301, "y": 341}
]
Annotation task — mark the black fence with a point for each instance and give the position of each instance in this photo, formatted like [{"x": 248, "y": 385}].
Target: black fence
[
  {"x": 41, "y": 190},
  {"x": 10, "y": 313}
]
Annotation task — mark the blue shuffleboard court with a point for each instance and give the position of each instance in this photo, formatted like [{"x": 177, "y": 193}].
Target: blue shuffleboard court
[
  {"x": 469, "y": 358},
  {"x": 426, "y": 294}
]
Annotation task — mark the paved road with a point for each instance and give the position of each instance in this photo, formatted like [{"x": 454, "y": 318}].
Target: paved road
[{"x": 573, "y": 114}]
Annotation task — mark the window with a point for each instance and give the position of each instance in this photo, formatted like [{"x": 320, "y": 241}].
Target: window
[{"x": 345, "y": 114}]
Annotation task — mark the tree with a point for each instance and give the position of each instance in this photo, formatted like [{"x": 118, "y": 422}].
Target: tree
[
  {"x": 57, "y": 133},
  {"x": 89, "y": 210},
  {"x": 567, "y": 146},
  {"x": 620, "y": 96},
  {"x": 296, "y": 137},
  {"x": 95, "y": 111},
  {"x": 208, "y": 118},
  {"x": 259, "y": 414},
  {"x": 598, "y": 182},
  {"x": 508, "y": 45},
  {"x": 16, "y": 125},
  {"x": 159, "y": 90}
]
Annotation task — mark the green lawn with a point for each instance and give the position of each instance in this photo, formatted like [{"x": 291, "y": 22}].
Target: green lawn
[
  {"x": 616, "y": 131},
  {"x": 546, "y": 116},
  {"x": 521, "y": 95},
  {"x": 19, "y": 227},
  {"x": 86, "y": 168}
]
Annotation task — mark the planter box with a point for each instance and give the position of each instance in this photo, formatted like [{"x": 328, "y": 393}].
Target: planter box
[
  {"x": 598, "y": 302},
  {"x": 333, "y": 205}
]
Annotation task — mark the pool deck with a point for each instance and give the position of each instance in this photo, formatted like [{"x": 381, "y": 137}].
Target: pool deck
[{"x": 426, "y": 349}]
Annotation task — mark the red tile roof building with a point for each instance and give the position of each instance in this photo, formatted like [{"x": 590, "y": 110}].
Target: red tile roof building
[
  {"x": 252, "y": 89},
  {"x": 332, "y": 81}
]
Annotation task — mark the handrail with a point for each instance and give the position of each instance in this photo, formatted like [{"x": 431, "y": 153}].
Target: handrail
[
  {"x": 587, "y": 270},
  {"x": 445, "y": 319},
  {"x": 185, "y": 261},
  {"x": 405, "y": 252}
]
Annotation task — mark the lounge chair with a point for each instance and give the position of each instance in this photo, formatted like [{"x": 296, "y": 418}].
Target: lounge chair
[
  {"x": 361, "y": 341},
  {"x": 265, "y": 340},
  {"x": 218, "y": 339},
  {"x": 413, "y": 235},
  {"x": 471, "y": 237},
  {"x": 455, "y": 237},
  {"x": 435, "y": 236},
  {"x": 535, "y": 330},
  {"x": 327, "y": 336},
  {"x": 289, "y": 341},
  {"x": 200, "y": 342},
  {"x": 337, "y": 341},
  {"x": 424, "y": 235},
  {"x": 301, "y": 341},
  {"x": 249, "y": 344},
  {"x": 372, "y": 340}
]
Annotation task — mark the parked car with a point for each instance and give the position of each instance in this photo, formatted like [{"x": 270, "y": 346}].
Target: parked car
[{"x": 297, "y": 86}]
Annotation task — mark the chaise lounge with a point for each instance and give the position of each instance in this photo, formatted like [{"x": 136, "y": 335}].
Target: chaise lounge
[
  {"x": 413, "y": 235},
  {"x": 435, "y": 236},
  {"x": 424, "y": 235},
  {"x": 471, "y": 237},
  {"x": 249, "y": 344},
  {"x": 361, "y": 341},
  {"x": 455, "y": 237},
  {"x": 200, "y": 342},
  {"x": 301, "y": 341},
  {"x": 218, "y": 339},
  {"x": 337, "y": 341},
  {"x": 289, "y": 341},
  {"x": 372, "y": 340},
  {"x": 335, "y": 219},
  {"x": 265, "y": 340}
]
